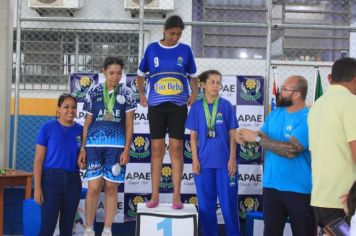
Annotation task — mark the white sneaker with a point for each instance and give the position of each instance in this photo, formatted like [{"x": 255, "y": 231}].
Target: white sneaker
[
  {"x": 106, "y": 233},
  {"x": 89, "y": 233}
]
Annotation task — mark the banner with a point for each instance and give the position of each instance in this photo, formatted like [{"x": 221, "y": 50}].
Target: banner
[{"x": 245, "y": 94}]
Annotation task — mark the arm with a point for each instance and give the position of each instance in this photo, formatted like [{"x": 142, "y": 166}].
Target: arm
[
  {"x": 232, "y": 159},
  {"x": 353, "y": 150},
  {"x": 194, "y": 87},
  {"x": 194, "y": 147},
  {"x": 287, "y": 149},
  {"x": 38, "y": 169},
  {"x": 82, "y": 154},
  {"x": 125, "y": 157},
  {"x": 141, "y": 90}
]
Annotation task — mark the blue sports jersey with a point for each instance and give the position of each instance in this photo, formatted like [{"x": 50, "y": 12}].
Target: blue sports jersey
[
  {"x": 103, "y": 133},
  {"x": 213, "y": 152},
  {"x": 62, "y": 145},
  {"x": 282, "y": 173},
  {"x": 168, "y": 68}
]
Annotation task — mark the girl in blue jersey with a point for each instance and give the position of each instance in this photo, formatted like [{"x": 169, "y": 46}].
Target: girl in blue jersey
[
  {"x": 212, "y": 123},
  {"x": 107, "y": 135},
  {"x": 169, "y": 65},
  {"x": 57, "y": 181}
]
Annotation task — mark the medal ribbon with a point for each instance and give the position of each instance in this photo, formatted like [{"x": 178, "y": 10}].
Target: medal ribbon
[
  {"x": 210, "y": 119},
  {"x": 109, "y": 102}
]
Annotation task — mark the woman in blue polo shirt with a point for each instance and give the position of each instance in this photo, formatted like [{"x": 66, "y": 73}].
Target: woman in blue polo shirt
[{"x": 57, "y": 181}]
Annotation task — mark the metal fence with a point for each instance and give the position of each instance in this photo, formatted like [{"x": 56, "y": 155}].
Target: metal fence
[{"x": 272, "y": 38}]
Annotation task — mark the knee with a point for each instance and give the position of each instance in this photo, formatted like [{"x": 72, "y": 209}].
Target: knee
[
  {"x": 110, "y": 189},
  {"x": 94, "y": 191}
]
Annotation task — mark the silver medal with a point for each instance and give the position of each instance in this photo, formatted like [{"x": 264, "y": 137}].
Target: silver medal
[
  {"x": 116, "y": 169},
  {"x": 108, "y": 116}
]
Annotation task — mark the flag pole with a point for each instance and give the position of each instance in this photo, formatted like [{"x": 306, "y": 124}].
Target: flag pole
[{"x": 274, "y": 75}]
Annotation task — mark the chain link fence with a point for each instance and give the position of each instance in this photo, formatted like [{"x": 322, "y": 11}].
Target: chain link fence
[{"x": 272, "y": 38}]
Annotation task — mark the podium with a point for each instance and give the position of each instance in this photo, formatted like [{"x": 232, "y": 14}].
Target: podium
[{"x": 163, "y": 220}]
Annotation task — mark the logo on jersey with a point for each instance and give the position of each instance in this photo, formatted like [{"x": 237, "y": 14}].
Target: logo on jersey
[
  {"x": 156, "y": 61},
  {"x": 120, "y": 99},
  {"x": 180, "y": 61},
  {"x": 249, "y": 151},
  {"x": 250, "y": 90},
  {"x": 219, "y": 118},
  {"x": 168, "y": 86}
]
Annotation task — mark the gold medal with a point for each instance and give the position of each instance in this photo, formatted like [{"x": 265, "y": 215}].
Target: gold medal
[{"x": 108, "y": 116}]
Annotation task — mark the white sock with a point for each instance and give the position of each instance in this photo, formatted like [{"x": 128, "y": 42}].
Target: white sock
[
  {"x": 89, "y": 228},
  {"x": 107, "y": 229}
]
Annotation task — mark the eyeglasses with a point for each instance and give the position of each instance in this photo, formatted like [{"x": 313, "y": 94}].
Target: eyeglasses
[{"x": 289, "y": 90}]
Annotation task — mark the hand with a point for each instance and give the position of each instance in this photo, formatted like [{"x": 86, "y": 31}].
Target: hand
[
  {"x": 143, "y": 100},
  {"x": 196, "y": 167},
  {"x": 124, "y": 158},
  {"x": 343, "y": 199},
  {"x": 81, "y": 159},
  {"x": 231, "y": 166},
  {"x": 247, "y": 135},
  {"x": 238, "y": 137},
  {"x": 38, "y": 196},
  {"x": 192, "y": 99}
]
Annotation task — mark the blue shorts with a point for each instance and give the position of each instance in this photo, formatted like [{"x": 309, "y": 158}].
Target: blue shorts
[{"x": 100, "y": 161}]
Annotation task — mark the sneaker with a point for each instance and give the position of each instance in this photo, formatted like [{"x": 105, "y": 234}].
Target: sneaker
[
  {"x": 152, "y": 204},
  {"x": 89, "y": 233},
  {"x": 106, "y": 233},
  {"x": 177, "y": 205}
]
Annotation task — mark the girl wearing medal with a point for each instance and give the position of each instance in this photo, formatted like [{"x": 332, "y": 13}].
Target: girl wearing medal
[
  {"x": 57, "y": 180},
  {"x": 170, "y": 66},
  {"x": 107, "y": 135},
  {"x": 212, "y": 123}
]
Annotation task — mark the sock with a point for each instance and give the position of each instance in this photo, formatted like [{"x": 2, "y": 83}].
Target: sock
[
  {"x": 107, "y": 229},
  {"x": 89, "y": 228}
]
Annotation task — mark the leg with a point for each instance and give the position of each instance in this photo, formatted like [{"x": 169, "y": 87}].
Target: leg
[
  {"x": 91, "y": 200},
  {"x": 110, "y": 202},
  {"x": 176, "y": 155},
  {"x": 53, "y": 190},
  {"x": 275, "y": 215},
  {"x": 206, "y": 192},
  {"x": 177, "y": 116},
  {"x": 324, "y": 216},
  {"x": 300, "y": 213},
  {"x": 70, "y": 203},
  {"x": 227, "y": 191},
  {"x": 158, "y": 150}
]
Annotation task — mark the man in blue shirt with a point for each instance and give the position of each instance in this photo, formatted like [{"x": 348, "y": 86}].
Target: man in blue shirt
[{"x": 287, "y": 165}]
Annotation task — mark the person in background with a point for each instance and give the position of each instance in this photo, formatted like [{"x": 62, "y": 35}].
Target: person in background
[
  {"x": 332, "y": 136},
  {"x": 107, "y": 136},
  {"x": 287, "y": 168},
  {"x": 169, "y": 65},
  {"x": 57, "y": 181},
  {"x": 212, "y": 123}
]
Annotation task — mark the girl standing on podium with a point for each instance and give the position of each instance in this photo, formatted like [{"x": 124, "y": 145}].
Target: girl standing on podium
[
  {"x": 212, "y": 123},
  {"x": 57, "y": 182},
  {"x": 107, "y": 136},
  {"x": 169, "y": 65}
]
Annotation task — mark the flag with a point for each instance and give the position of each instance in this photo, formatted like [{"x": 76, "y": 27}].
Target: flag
[
  {"x": 318, "y": 87},
  {"x": 273, "y": 103}
]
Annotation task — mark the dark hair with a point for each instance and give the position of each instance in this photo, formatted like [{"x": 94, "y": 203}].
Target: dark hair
[
  {"x": 343, "y": 70},
  {"x": 203, "y": 77},
  {"x": 301, "y": 86},
  {"x": 351, "y": 202},
  {"x": 64, "y": 96},
  {"x": 113, "y": 61},
  {"x": 174, "y": 21}
]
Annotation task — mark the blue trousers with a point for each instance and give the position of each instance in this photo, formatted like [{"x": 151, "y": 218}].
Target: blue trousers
[
  {"x": 210, "y": 184},
  {"x": 61, "y": 196}
]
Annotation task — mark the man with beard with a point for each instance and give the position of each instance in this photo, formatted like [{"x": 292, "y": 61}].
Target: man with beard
[{"x": 287, "y": 165}]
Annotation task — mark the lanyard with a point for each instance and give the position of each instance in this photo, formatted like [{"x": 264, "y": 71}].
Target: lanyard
[
  {"x": 210, "y": 119},
  {"x": 109, "y": 101}
]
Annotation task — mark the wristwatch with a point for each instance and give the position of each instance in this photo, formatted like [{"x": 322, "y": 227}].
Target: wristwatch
[{"x": 258, "y": 139}]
